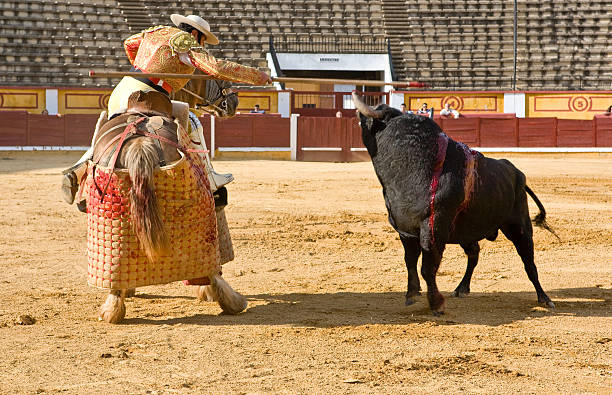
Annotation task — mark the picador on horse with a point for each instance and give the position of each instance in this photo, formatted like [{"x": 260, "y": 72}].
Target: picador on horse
[{"x": 154, "y": 203}]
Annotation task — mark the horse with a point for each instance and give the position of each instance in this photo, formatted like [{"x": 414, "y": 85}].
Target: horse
[
  {"x": 215, "y": 97},
  {"x": 152, "y": 142}
]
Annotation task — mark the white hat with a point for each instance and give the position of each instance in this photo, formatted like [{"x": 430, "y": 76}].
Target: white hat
[{"x": 200, "y": 24}]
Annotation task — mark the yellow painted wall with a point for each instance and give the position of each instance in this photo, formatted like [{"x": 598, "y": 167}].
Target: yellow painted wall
[
  {"x": 563, "y": 105},
  {"x": 267, "y": 100},
  {"x": 567, "y": 105},
  {"x": 92, "y": 101},
  {"x": 464, "y": 102},
  {"x": 17, "y": 99},
  {"x": 79, "y": 101},
  {"x": 70, "y": 101}
]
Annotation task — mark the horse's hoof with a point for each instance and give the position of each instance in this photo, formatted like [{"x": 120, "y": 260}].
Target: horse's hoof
[
  {"x": 113, "y": 309},
  {"x": 437, "y": 313},
  {"x": 409, "y": 302}
]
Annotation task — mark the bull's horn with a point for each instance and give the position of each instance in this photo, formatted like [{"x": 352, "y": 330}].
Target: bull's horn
[{"x": 364, "y": 108}]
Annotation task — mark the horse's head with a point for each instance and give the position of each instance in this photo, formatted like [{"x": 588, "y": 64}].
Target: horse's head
[{"x": 220, "y": 99}]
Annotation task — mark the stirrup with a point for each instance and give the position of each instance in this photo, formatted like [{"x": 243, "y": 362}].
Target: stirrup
[
  {"x": 221, "y": 179},
  {"x": 70, "y": 186}
]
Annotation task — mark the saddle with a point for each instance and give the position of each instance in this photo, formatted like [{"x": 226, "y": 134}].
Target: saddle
[{"x": 148, "y": 114}]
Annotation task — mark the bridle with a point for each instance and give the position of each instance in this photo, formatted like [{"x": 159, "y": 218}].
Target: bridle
[{"x": 219, "y": 103}]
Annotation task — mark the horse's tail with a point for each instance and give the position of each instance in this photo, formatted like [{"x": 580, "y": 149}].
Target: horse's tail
[
  {"x": 540, "y": 219},
  {"x": 141, "y": 159}
]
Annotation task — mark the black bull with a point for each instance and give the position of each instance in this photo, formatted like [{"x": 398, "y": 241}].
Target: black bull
[{"x": 438, "y": 191}]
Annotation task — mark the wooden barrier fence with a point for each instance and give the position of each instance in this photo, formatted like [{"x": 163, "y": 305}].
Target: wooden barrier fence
[{"x": 318, "y": 138}]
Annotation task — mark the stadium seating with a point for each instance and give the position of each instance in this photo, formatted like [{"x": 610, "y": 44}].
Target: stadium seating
[
  {"x": 465, "y": 44},
  {"x": 47, "y": 42}
]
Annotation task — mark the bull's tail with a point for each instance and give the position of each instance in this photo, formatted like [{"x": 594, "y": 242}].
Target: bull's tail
[
  {"x": 141, "y": 160},
  {"x": 540, "y": 219}
]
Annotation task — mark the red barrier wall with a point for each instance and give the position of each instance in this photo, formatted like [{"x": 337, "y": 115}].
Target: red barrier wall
[
  {"x": 466, "y": 130},
  {"x": 339, "y": 134},
  {"x": 205, "y": 121},
  {"x": 252, "y": 130},
  {"x": 18, "y": 128},
  {"x": 46, "y": 130},
  {"x": 13, "y": 128},
  {"x": 80, "y": 128},
  {"x": 575, "y": 133},
  {"x": 536, "y": 132},
  {"x": 499, "y": 132},
  {"x": 603, "y": 126}
]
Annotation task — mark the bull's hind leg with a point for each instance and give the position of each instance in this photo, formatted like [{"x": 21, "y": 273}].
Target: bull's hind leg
[
  {"x": 231, "y": 302},
  {"x": 521, "y": 237},
  {"x": 472, "y": 251},
  {"x": 113, "y": 309},
  {"x": 412, "y": 250},
  {"x": 429, "y": 268}
]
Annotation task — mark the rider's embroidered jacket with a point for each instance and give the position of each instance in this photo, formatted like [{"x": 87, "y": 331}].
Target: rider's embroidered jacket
[{"x": 165, "y": 49}]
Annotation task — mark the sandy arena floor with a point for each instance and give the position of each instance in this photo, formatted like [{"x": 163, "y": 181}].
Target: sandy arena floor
[{"x": 325, "y": 279}]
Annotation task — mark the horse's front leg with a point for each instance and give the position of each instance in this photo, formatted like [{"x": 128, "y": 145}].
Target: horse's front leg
[
  {"x": 206, "y": 294},
  {"x": 113, "y": 309},
  {"x": 231, "y": 302}
]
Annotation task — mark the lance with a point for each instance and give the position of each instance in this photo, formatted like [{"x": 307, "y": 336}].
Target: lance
[{"x": 119, "y": 74}]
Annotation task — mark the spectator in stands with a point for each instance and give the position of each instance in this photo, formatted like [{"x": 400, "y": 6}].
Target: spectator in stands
[
  {"x": 339, "y": 114},
  {"x": 404, "y": 110},
  {"x": 448, "y": 111},
  {"x": 425, "y": 111},
  {"x": 256, "y": 110},
  {"x": 45, "y": 112}
]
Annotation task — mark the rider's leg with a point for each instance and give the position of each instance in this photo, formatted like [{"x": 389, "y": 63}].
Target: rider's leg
[
  {"x": 217, "y": 180},
  {"x": 74, "y": 174},
  {"x": 117, "y": 103}
]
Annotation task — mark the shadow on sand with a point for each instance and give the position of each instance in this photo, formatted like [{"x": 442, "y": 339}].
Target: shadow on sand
[{"x": 355, "y": 309}]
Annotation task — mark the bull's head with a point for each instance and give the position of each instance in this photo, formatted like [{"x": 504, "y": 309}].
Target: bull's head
[
  {"x": 382, "y": 112},
  {"x": 372, "y": 120}
]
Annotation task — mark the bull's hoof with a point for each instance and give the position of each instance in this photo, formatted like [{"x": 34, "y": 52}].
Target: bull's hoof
[
  {"x": 548, "y": 303},
  {"x": 460, "y": 292},
  {"x": 436, "y": 303},
  {"x": 545, "y": 300},
  {"x": 409, "y": 302}
]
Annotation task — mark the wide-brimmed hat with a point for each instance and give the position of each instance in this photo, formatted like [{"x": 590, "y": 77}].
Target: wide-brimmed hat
[{"x": 200, "y": 24}]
